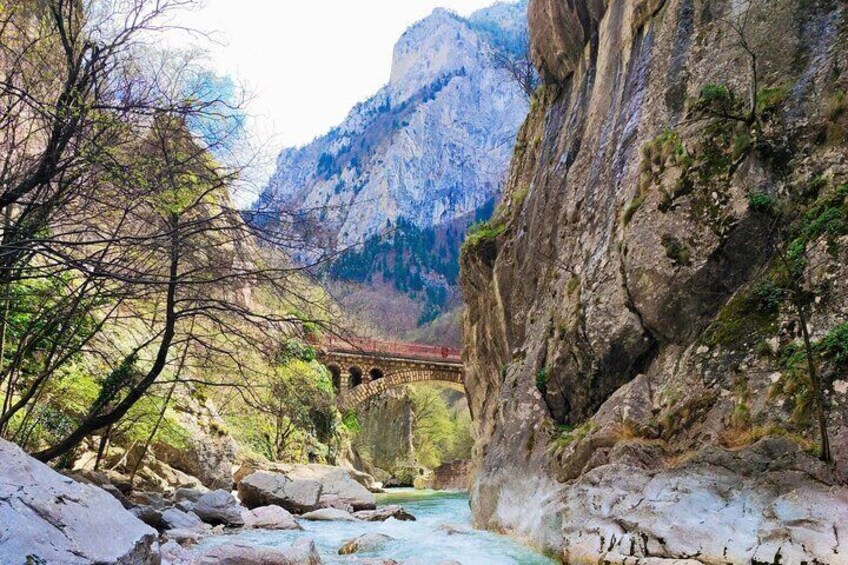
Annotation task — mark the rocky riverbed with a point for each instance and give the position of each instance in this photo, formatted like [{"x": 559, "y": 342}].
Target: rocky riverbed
[
  {"x": 303, "y": 514},
  {"x": 441, "y": 534}
]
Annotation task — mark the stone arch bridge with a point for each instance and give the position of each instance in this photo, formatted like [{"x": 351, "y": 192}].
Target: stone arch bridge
[{"x": 363, "y": 368}]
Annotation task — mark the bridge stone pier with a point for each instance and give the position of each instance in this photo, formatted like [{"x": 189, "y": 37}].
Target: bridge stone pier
[{"x": 362, "y": 368}]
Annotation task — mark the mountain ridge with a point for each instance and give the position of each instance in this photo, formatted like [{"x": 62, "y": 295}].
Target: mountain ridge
[{"x": 431, "y": 145}]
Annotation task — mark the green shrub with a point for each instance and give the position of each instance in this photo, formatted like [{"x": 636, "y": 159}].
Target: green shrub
[
  {"x": 351, "y": 422},
  {"x": 676, "y": 251},
  {"x": 794, "y": 385},
  {"x": 664, "y": 151},
  {"x": 768, "y": 296},
  {"x": 834, "y": 346},
  {"x": 633, "y": 207},
  {"x": 542, "y": 378},
  {"x": 768, "y": 99},
  {"x": 829, "y": 220},
  {"x": 715, "y": 93},
  {"x": 295, "y": 349},
  {"x": 826, "y": 217},
  {"x": 762, "y": 202},
  {"x": 481, "y": 232},
  {"x": 836, "y": 119},
  {"x": 570, "y": 434},
  {"x": 520, "y": 195},
  {"x": 796, "y": 256}
]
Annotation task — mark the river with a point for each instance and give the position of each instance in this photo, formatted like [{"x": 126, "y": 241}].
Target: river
[{"x": 441, "y": 532}]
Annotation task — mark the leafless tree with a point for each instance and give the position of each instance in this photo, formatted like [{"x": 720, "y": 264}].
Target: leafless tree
[
  {"x": 740, "y": 24},
  {"x": 117, "y": 217},
  {"x": 515, "y": 61}
]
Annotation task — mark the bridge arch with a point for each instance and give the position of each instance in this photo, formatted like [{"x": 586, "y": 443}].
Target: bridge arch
[
  {"x": 358, "y": 395},
  {"x": 336, "y": 374},
  {"x": 386, "y": 365},
  {"x": 354, "y": 376}
]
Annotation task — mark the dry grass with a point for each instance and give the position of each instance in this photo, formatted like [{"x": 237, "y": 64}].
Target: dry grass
[
  {"x": 836, "y": 113},
  {"x": 680, "y": 459},
  {"x": 738, "y": 438}
]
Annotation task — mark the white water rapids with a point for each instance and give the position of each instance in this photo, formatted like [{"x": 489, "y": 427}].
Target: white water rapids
[{"x": 442, "y": 532}]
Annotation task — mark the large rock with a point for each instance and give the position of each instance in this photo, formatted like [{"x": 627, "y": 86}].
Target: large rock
[
  {"x": 405, "y": 474},
  {"x": 387, "y": 447},
  {"x": 186, "y": 498},
  {"x": 264, "y": 488},
  {"x": 614, "y": 321},
  {"x": 174, "y": 554},
  {"x": 153, "y": 499},
  {"x": 174, "y": 518},
  {"x": 46, "y": 517},
  {"x": 187, "y": 495},
  {"x": 149, "y": 515},
  {"x": 157, "y": 475},
  {"x": 207, "y": 451},
  {"x": 219, "y": 507},
  {"x": 270, "y": 518},
  {"x": 338, "y": 487},
  {"x": 185, "y": 537},
  {"x": 365, "y": 543},
  {"x": 302, "y": 552},
  {"x": 116, "y": 485},
  {"x": 384, "y": 513},
  {"x": 329, "y": 515},
  {"x": 726, "y": 506},
  {"x": 302, "y": 488},
  {"x": 362, "y": 478}
]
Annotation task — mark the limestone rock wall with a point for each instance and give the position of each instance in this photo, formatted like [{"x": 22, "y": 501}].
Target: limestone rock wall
[
  {"x": 386, "y": 433},
  {"x": 606, "y": 335},
  {"x": 452, "y": 475},
  {"x": 209, "y": 452}
]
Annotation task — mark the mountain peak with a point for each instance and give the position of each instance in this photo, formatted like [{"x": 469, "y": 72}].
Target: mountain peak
[
  {"x": 430, "y": 147},
  {"x": 441, "y": 43}
]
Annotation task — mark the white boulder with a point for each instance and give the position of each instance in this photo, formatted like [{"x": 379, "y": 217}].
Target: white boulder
[{"x": 46, "y": 517}]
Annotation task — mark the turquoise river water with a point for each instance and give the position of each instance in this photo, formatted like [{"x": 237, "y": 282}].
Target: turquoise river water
[{"x": 441, "y": 532}]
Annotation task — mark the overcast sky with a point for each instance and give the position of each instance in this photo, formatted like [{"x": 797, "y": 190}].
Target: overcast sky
[{"x": 307, "y": 62}]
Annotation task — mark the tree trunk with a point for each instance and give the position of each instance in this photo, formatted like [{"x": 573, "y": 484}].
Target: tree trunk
[
  {"x": 825, "y": 454},
  {"x": 98, "y": 421},
  {"x": 101, "y": 449}
]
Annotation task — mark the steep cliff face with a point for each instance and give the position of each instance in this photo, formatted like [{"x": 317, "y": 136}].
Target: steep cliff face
[{"x": 629, "y": 346}]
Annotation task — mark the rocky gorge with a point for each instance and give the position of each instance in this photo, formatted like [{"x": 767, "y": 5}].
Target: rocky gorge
[
  {"x": 637, "y": 397},
  {"x": 280, "y": 515},
  {"x": 655, "y": 325}
]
